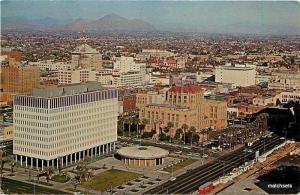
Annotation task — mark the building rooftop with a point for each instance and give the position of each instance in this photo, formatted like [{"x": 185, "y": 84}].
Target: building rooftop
[
  {"x": 49, "y": 92},
  {"x": 185, "y": 89},
  {"x": 143, "y": 152},
  {"x": 85, "y": 48},
  {"x": 236, "y": 67},
  {"x": 168, "y": 106}
]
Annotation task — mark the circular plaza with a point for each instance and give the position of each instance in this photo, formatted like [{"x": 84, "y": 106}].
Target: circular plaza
[{"x": 142, "y": 156}]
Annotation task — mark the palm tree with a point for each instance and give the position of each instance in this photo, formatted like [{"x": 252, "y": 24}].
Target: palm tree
[
  {"x": 1, "y": 161},
  {"x": 59, "y": 159},
  {"x": 168, "y": 127},
  {"x": 193, "y": 130},
  {"x": 264, "y": 122},
  {"x": 178, "y": 134},
  {"x": 136, "y": 121},
  {"x": 12, "y": 165},
  {"x": 129, "y": 120},
  {"x": 48, "y": 172},
  {"x": 184, "y": 127},
  {"x": 121, "y": 124},
  {"x": 144, "y": 122}
]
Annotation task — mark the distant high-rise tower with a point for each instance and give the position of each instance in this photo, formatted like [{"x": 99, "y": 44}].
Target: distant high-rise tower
[
  {"x": 85, "y": 56},
  {"x": 19, "y": 79}
]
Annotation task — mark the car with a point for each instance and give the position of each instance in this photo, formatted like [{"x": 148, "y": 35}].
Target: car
[
  {"x": 178, "y": 152},
  {"x": 204, "y": 156},
  {"x": 248, "y": 150},
  {"x": 190, "y": 154},
  {"x": 172, "y": 179},
  {"x": 196, "y": 154},
  {"x": 282, "y": 138}
]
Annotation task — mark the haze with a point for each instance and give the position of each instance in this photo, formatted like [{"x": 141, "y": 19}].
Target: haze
[{"x": 202, "y": 16}]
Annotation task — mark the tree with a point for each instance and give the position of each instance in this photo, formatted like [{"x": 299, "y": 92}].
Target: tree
[
  {"x": 59, "y": 165},
  {"x": 184, "y": 127},
  {"x": 121, "y": 125},
  {"x": 178, "y": 133},
  {"x": 168, "y": 127},
  {"x": 84, "y": 175},
  {"x": 48, "y": 172},
  {"x": 147, "y": 135},
  {"x": 262, "y": 122},
  {"x": 136, "y": 121},
  {"x": 193, "y": 130},
  {"x": 12, "y": 164},
  {"x": 144, "y": 122},
  {"x": 1, "y": 161}
]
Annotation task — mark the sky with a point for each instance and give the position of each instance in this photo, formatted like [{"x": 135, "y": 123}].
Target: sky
[{"x": 265, "y": 17}]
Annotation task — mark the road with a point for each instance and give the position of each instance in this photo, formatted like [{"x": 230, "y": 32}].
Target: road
[
  {"x": 19, "y": 187},
  {"x": 189, "y": 182}
]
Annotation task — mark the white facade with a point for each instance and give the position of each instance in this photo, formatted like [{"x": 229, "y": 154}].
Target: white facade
[
  {"x": 68, "y": 76},
  {"x": 50, "y": 65},
  {"x": 283, "y": 97},
  {"x": 126, "y": 64},
  {"x": 156, "y": 53},
  {"x": 262, "y": 78},
  {"x": 105, "y": 77},
  {"x": 285, "y": 81},
  {"x": 238, "y": 75},
  {"x": 160, "y": 79},
  {"x": 50, "y": 130},
  {"x": 86, "y": 57},
  {"x": 129, "y": 79}
]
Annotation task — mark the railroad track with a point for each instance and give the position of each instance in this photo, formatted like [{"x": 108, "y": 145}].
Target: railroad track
[{"x": 189, "y": 182}]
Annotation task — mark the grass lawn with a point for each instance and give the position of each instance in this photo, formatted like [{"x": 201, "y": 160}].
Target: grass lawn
[
  {"x": 19, "y": 187},
  {"x": 60, "y": 178},
  {"x": 111, "y": 178},
  {"x": 184, "y": 163}
]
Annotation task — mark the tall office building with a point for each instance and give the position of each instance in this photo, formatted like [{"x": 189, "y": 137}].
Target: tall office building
[
  {"x": 19, "y": 79},
  {"x": 85, "y": 56},
  {"x": 73, "y": 76},
  {"x": 61, "y": 125},
  {"x": 126, "y": 64}
]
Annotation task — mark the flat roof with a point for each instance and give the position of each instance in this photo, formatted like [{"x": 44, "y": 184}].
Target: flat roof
[
  {"x": 73, "y": 89},
  {"x": 143, "y": 152},
  {"x": 168, "y": 106}
]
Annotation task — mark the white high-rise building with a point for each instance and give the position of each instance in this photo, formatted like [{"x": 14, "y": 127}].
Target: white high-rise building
[
  {"x": 238, "y": 75},
  {"x": 129, "y": 79},
  {"x": 73, "y": 76},
  {"x": 125, "y": 64},
  {"x": 51, "y": 65},
  {"x": 59, "y": 126},
  {"x": 86, "y": 57}
]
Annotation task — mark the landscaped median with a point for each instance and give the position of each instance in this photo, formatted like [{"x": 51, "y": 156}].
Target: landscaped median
[
  {"x": 60, "y": 178},
  {"x": 185, "y": 162},
  {"x": 109, "y": 179}
]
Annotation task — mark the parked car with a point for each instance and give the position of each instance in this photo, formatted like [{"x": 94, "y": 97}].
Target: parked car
[{"x": 178, "y": 152}]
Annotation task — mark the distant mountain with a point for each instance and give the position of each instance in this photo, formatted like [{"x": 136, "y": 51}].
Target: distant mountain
[{"x": 111, "y": 22}]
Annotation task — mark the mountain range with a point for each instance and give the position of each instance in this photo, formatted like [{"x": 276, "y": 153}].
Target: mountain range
[{"x": 108, "y": 23}]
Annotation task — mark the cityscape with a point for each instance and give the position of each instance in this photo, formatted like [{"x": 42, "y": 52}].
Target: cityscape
[{"x": 150, "y": 97}]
